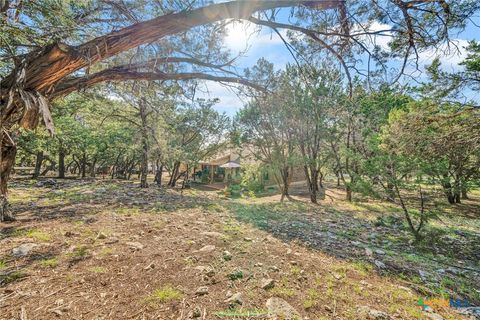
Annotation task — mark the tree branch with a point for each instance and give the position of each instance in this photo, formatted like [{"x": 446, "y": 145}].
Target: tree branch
[{"x": 118, "y": 74}]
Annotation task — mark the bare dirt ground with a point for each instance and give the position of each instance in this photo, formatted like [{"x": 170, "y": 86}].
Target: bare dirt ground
[{"x": 110, "y": 250}]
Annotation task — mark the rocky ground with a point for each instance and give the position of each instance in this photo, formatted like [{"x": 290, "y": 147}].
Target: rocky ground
[{"x": 109, "y": 250}]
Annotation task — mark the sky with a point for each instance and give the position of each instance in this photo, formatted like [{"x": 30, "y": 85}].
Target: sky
[{"x": 267, "y": 44}]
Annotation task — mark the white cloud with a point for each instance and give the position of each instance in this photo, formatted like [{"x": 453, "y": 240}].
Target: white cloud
[
  {"x": 450, "y": 54},
  {"x": 229, "y": 101}
]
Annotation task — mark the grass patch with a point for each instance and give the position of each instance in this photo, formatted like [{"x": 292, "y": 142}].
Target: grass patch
[
  {"x": 312, "y": 298},
  {"x": 12, "y": 277},
  {"x": 362, "y": 267},
  {"x": 49, "y": 263},
  {"x": 34, "y": 234},
  {"x": 165, "y": 294},
  {"x": 105, "y": 252},
  {"x": 3, "y": 264},
  {"x": 98, "y": 269},
  {"x": 78, "y": 252}
]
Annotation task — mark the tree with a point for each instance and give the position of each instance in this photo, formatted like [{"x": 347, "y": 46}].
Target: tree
[
  {"x": 308, "y": 94},
  {"x": 64, "y": 38},
  {"x": 446, "y": 138},
  {"x": 195, "y": 132},
  {"x": 267, "y": 133}
]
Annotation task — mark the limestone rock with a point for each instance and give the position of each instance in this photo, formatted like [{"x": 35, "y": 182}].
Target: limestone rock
[
  {"x": 281, "y": 308},
  {"x": 23, "y": 250}
]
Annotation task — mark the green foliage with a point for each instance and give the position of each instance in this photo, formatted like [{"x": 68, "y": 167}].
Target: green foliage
[
  {"x": 252, "y": 177},
  {"x": 165, "y": 294},
  {"x": 235, "y": 275},
  {"x": 49, "y": 263}
]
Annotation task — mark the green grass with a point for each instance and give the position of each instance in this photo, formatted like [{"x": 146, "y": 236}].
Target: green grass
[
  {"x": 312, "y": 298},
  {"x": 34, "y": 234},
  {"x": 12, "y": 277},
  {"x": 3, "y": 264},
  {"x": 49, "y": 263},
  {"x": 98, "y": 269},
  {"x": 79, "y": 252},
  {"x": 165, "y": 294}
]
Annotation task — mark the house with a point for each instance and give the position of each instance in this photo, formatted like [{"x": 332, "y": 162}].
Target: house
[{"x": 227, "y": 167}]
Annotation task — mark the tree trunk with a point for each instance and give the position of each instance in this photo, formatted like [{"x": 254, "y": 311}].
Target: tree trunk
[
  {"x": 92, "y": 168},
  {"x": 83, "y": 164},
  {"x": 174, "y": 177},
  {"x": 285, "y": 184},
  {"x": 61, "y": 160},
  {"x": 158, "y": 175},
  {"x": 464, "y": 193},
  {"x": 144, "y": 131},
  {"x": 448, "y": 191},
  {"x": 348, "y": 191},
  {"x": 8, "y": 151},
  {"x": 50, "y": 167},
  {"x": 38, "y": 165}
]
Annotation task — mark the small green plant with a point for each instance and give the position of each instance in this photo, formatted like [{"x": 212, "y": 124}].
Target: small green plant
[
  {"x": 362, "y": 267},
  {"x": 235, "y": 274},
  {"x": 79, "y": 252},
  {"x": 49, "y": 263},
  {"x": 3, "y": 264},
  {"x": 311, "y": 299},
  {"x": 105, "y": 252},
  {"x": 98, "y": 269},
  {"x": 12, "y": 277},
  {"x": 165, "y": 294},
  {"x": 282, "y": 292},
  {"x": 34, "y": 234}
]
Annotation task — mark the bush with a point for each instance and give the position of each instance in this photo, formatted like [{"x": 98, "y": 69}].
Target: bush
[{"x": 251, "y": 178}]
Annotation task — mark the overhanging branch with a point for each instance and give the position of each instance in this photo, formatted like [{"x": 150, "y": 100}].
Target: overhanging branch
[{"x": 70, "y": 85}]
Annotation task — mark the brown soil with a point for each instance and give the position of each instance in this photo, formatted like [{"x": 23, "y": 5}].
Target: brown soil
[{"x": 110, "y": 250}]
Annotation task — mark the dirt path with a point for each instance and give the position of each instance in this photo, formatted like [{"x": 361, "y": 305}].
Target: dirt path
[{"x": 104, "y": 250}]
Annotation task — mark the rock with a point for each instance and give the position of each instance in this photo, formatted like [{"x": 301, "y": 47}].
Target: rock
[
  {"x": 372, "y": 314},
  {"x": 23, "y": 250},
  {"x": 207, "y": 248},
  {"x": 274, "y": 268},
  {"x": 46, "y": 183},
  {"x": 432, "y": 316},
  {"x": 293, "y": 263},
  {"x": 378, "y": 315},
  {"x": 424, "y": 275},
  {"x": 101, "y": 235},
  {"x": 258, "y": 264},
  {"x": 202, "y": 291},
  {"x": 248, "y": 239},
  {"x": 213, "y": 234},
  {"x": 380, "y": 252},
  {"x": 379, "y": 264},
  {"x": 135, "y": 245},
  {"x": 266, "y": 284},
  {"x": 368, "y": 252},
  {"x": 470, "y": 311},
  {"x": 337, "y": 276},
  {"x": 236, "y": 298},
  {"x": 281, "y": 308},
  {"x": 227, "y": 256}
]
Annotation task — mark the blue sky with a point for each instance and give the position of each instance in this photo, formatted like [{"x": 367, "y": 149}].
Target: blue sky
[{"x": 267, "y": 44}]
